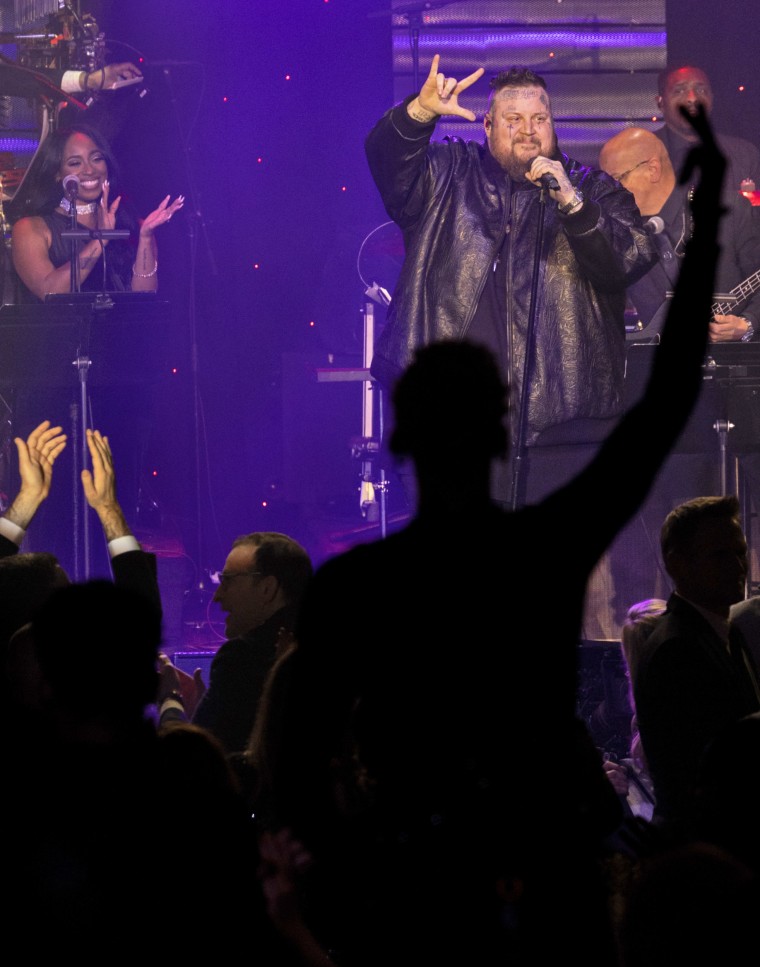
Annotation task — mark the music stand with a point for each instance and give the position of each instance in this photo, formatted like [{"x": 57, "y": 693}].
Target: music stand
[{"x": 37, "y": 342}]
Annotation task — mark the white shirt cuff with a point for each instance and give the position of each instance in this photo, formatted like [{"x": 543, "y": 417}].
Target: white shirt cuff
[
  {"x": 70, "y": 82},
  {"x": 12, "y": 531},
  {"x": 120, "y": 545}
]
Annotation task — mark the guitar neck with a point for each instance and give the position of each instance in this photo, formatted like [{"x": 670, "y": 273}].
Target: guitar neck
[{"x": 742, "y": 292}]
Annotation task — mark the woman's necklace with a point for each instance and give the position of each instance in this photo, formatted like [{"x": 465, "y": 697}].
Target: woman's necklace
[{"x": 88, "y": 209}]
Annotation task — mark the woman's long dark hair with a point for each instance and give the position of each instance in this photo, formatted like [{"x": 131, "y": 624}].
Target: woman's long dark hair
[{"x": 40, "y": 191}]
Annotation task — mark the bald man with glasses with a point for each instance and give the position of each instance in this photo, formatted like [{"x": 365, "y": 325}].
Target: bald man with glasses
[{"x": 639, "y": 160}]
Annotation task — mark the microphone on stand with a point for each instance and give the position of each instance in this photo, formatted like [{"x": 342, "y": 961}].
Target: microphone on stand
[
  {"x": 549, "y": 182},
  {"x": 71, "y": 187}
]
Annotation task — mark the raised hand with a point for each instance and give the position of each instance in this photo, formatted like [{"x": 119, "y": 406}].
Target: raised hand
[
  {"x": 711, "y": 162},
  {"x": 440, "y": 94},
  {"x": 36, "y": 456},
  {"x": 161, "y": 215},
  {"x": 107, "y": 208},
  {"x": 99, "y": 485}
]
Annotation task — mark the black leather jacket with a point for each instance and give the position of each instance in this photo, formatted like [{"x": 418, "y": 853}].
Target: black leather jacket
[{"x": 454, "y": 204}]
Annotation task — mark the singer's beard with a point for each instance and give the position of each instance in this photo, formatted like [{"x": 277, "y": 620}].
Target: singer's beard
[{"x": 518, "y": 167}]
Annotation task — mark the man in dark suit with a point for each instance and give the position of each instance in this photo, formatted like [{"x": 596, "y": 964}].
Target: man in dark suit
[
  {"x": 264, "y": 578},
  {"x": 696, "y": 676}
]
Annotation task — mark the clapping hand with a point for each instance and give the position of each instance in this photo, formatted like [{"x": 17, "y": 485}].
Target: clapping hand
[
  {"x": 99, "y": 486},
  {"x": 36, "y": 456},
  {"x": 161, "y": 215}
]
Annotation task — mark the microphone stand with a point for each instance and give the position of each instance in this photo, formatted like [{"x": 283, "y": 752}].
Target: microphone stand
[
  {"x": 72, "y": 234},
  {"x": 530, "y": 341},
  {"x": 101, "y": 300},
  {"x": 196, "y": 227}
]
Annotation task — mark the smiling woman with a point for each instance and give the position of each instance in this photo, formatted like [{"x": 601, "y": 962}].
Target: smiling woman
[{"x": 75, "y": 168}]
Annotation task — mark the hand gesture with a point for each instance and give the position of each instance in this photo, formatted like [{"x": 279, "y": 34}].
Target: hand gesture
[
  {"x": 728, "y": 328},
  {"x": 161, "y": 215},
  {"x": 112, "y": 76},
  {"x": 440, "y": 94},
  {"x": 99, "y": 485},
  {"x": 711, "y": 162},
  {"x": 36, "y": 456},
  {"x": 173, "y": 679},
  {"x": 283, "y": 860},
  {"x": 107, "y": 209},
  {"x": 117, "y": 74}
]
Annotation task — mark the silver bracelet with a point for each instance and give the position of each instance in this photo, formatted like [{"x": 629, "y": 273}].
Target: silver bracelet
[
  {"x": 145, "y": 275},
  {"x": 573, "y": 205}
]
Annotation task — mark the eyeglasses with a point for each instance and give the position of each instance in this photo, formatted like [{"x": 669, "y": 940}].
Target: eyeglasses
[
  {"x": 630, "y": 170},
  {"x": 223, "y": 578}
]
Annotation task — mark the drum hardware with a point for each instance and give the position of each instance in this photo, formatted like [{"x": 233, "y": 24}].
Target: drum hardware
[{"x": 723, "y": 428}]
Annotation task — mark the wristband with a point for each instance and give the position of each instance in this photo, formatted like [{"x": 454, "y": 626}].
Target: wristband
[{"x": 173, "y": 700}]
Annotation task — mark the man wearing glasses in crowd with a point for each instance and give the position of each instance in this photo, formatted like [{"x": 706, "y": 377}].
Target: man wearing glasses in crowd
[{"x": 260, "y": 589}]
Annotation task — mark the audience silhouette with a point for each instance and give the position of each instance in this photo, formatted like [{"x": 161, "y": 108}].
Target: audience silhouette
[
  {"x": 727, "y": 796},
  {"x": 439, "y": 666},
  {"x": 27, "y": 579},
  {"x": 106, "y": 813},
  {"x": 423, "y": 789}
]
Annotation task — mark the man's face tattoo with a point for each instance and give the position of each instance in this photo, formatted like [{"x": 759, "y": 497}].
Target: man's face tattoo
[{"x": 519, "y": 128}]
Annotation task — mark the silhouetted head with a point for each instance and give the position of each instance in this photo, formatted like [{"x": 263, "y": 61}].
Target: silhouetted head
[
  {"x": 705, "y": 551},
  {"x": 26, "y": 580},
  {"x": 450, "y": 403},
  {"x": 97, "y": 646}
]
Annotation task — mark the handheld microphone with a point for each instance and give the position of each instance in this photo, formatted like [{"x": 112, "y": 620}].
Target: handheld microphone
[
  {"x": 654, "y": 225},
  {"x": 71, "y": 187},
  {"x": 549, "y": 182}
]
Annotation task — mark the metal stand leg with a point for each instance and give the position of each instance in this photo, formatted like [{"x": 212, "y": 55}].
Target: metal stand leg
[
  {"x": 83, "y": 568},
  {"x": 367, "y": 447},
  {"x": 722, "y": 428},
  {"x": 372, "y": 488}
]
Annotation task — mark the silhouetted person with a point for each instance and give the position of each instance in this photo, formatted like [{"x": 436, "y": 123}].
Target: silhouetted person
[
  {"x": 440, "y": 665},
  {"x": 727, "y": 799},
  {"x": 107, "y": 816},
  {"x": 695, "y": 676},
  {"x": 696, "y": 904},
  {"x": 27, "y": 579}
]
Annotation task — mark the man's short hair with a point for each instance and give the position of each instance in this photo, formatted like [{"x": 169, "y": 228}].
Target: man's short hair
[
  {"x": 664, "y": 75},
  {"x": 683, "y": 522},
  {"x": 517, "y": 76},
  {"x": 279, "y": 555}
]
